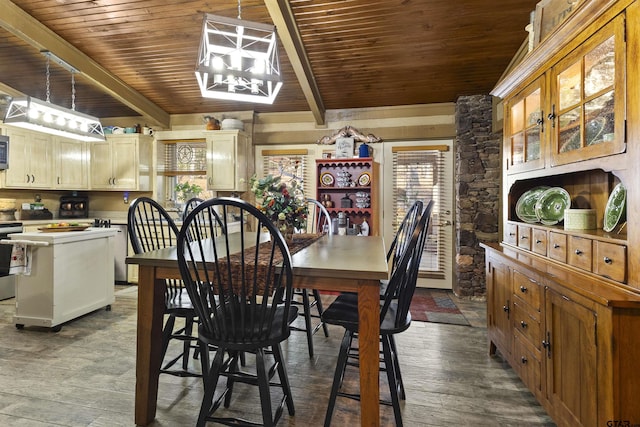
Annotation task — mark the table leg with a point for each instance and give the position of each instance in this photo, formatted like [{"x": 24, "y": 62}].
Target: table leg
[
  {"x": 149, "y": 343},
  {"x": 369, "y": 344}
]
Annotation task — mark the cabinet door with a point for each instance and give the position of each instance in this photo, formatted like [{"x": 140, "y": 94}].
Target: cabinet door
[
  {"x": 124, "y": 154},
  {"x": 524, "y": 129},
  {"x": 41, "y": 161},
  {"x": 571, "y": 358},
  {"x": 30, "y": 160},
  {"x": 589, "y": 98},
  {"x": 498, "y": 307},
  {"x": 226, "y": 162},
  {"x": 72, "y": 164},
  {"x": 101, "y": 165},
  {"x": 18, "y": 173}
]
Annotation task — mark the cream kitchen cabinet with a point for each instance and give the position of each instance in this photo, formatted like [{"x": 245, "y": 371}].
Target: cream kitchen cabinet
[
  {"x": 227, "y": 152},
  {"x": 71, "y": 161},
  {"x": 122, "y": 162},
  {"x": 30, "y": 160}
]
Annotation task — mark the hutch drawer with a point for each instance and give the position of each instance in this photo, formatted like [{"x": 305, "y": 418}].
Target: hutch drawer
[
  {"x": 539, "y": 242},
  {"x": 610, "y": 260},
  {"x": 558, "y": 246},
  {"x": 524, "y": 237},
  {"x": 579, "y": 252},
  {"x": 527, "y": 289}
]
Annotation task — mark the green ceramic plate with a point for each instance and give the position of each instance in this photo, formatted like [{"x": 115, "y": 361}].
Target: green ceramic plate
[
  {"x": 616, "y": 208},
  {"x": 525, "y": 207},
  {"x": 551, "y": 205}
]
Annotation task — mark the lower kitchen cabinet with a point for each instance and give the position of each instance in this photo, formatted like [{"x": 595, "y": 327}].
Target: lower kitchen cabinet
[{"x": 573, "y": 338}]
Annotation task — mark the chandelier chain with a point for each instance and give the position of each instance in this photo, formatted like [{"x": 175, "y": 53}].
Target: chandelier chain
[
  {"x": 73, "y": 91},
  {"x": 239, "y": 10},
  {"x": 48, "y": 84}
]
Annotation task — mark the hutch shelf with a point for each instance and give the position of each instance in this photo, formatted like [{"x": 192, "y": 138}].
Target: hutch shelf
[{"x": 349, "y": 186}]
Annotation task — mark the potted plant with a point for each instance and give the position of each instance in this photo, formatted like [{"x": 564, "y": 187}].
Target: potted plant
[{"x": 186, "y": 191}]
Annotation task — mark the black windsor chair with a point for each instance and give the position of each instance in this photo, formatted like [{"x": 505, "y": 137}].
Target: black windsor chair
[
  {"x": 394, "y": 318},
  {"x": 150, "y": 227},
  {"x": 252, "y": 290}
]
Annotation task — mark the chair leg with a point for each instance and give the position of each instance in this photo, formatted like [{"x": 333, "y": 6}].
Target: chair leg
[
  {"x": 233, "y": 368},
  {"x": 284, "y": 378},
  {"x": 166, "y": 335},
  {"x": 391, "y": 378},
  {"x": 396, "y": 366},
  {"x": 341, "y": 365},
  {"x": 186, "y": 345},
  {"x": 210, "y": 382},
  {"x": 307, "y": 320},
  {"x": 316, "y": 295},
  {"x": 263, "y": 386}
]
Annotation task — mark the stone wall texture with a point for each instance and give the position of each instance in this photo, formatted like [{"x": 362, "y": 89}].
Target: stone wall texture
[{"x": 478, "y": 176}]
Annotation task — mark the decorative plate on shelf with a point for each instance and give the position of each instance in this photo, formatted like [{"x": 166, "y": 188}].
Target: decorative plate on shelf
[
  {"x": 616, "y": 208},
  {"x": 364, "y": 179},
  {"x": 56, "y": 228},
  {"x": 551, "y": 205},
  {"x": 326, "y": 179},
  {"x": 525, "y": 207}
]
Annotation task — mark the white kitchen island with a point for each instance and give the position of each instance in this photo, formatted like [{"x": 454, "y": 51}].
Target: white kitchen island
[{"x": 71, "y": 276}]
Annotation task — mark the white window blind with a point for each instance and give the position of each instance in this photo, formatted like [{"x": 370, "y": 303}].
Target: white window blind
[
  {"x": 289, "y": 164},
  {"x": 418, "y": 174}
]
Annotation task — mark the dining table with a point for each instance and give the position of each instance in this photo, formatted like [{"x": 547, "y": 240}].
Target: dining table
[{"x": 331, "y": 263}]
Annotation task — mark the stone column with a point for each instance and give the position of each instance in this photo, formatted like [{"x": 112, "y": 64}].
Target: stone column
[{"x": 477, "y": 179}]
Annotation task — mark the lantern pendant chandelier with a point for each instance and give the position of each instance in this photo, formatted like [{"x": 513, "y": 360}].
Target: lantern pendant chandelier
[
  {"x": 43, "y": 116},
  {"x": 238, "y": 60}
]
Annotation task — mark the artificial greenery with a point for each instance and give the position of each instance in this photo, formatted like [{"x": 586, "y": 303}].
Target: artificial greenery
[{"x": 185, "y": 191}]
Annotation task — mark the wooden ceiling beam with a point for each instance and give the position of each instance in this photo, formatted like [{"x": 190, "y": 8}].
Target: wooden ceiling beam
[
  {"x": 285, "y": 23},
  {"x": 23, "y": 25}
]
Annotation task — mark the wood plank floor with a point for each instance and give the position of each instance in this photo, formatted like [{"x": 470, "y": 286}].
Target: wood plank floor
[{"x": 84, "y": 375}]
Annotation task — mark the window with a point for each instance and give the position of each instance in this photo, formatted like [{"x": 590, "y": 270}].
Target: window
[
  {"x": 184, "y": 161},
  {"x": 289, "y": 164}
]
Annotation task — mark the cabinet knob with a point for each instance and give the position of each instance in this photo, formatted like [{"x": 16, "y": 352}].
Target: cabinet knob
[
  {"x": 523, "y": 289},
  {"x": 523, "y": 360},
  {"x": 538, "y": 241},
  {"x": 523, "y": 324},
  {"x": 505, "y": 308},
  {"x": 607, "y": 260},
  {"x": 523, "y": 237},
  {"x": 556, "y": 246},
  {"x": 578, "y": 252},
  {"x": 512, "y": 234}
]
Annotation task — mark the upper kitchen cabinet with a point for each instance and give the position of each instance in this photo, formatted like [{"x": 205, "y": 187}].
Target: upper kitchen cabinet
[
  {"x": 122, "y": 162},
  {"x": 587, "y": 113},
  {"x": 30, "y": 160},
  {"x": 71, "y": 161},
  {"x": 524, "y": 129},
  {"x": 227, "y": 152}
]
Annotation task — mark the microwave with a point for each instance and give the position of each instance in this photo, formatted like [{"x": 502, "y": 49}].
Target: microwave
[{"x": 4, "y": 152}]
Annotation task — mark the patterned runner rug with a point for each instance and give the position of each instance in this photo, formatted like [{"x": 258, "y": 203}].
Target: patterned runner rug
[{"x": 436, "y": 305}]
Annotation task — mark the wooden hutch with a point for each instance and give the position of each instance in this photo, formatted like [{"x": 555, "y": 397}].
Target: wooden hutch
[{"x": 564, "y": 305}]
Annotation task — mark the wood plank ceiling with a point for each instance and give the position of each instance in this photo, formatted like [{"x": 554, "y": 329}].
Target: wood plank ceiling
[{"x": 137, "y": 57}]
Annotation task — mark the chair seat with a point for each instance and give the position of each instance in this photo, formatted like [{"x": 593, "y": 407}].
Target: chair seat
[
  {"x": 344, "y": 312},
  {"x": 246, "y": 327}
]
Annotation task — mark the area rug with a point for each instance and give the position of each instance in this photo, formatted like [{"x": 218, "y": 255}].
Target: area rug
[{"x": 436, "y": 305}]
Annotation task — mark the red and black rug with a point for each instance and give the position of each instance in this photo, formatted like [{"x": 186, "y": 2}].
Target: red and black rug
[{"x": 436, "y": 305}]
